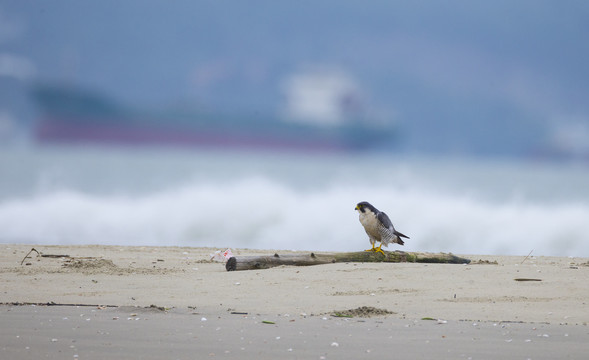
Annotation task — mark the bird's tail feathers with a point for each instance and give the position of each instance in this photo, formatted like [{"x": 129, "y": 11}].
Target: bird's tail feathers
[{"x": 401, "y": 235}]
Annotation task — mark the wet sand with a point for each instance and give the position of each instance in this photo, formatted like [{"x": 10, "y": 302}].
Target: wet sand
[
  {"x": 125, "y": 333},
  {"x": 200, "y": 310}
]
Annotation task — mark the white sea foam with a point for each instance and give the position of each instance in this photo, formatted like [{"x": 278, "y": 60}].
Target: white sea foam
[{"x": 264, "y": 212}]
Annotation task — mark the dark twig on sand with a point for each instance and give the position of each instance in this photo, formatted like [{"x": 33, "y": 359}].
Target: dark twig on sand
[
  {"x": 527, "y": 256},
  {"x": 29, "y": 253},
  {"x": 51, "y": 303},
  {"x": 42, "y": 255},
  {"x": 526, "y": 279}
]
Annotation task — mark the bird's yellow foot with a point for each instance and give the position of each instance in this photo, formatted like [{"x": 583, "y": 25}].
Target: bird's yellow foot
[
  {"x": 379, "y": 250},
  {"x": 373, "y": 248}
]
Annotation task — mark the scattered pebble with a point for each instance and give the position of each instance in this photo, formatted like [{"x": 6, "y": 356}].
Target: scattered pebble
[
  {"x": 334, "y": 344},
  {"x": 203, "y": 319},
  {"x": 53, "y": 340}
]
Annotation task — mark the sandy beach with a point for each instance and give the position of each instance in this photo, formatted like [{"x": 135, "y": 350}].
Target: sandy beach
[{"x": 151, "y": 301}]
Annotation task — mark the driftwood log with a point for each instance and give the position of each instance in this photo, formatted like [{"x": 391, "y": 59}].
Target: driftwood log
[{"x": 266, "y": 262}]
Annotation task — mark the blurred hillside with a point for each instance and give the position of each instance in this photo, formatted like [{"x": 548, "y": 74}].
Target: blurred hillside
[{"x": 456, "y": 77}]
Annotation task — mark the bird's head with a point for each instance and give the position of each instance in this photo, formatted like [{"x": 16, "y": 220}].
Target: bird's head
[{"x": 363, "y": 206}]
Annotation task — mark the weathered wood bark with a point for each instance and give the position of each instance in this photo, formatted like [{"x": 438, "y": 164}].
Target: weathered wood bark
[{"x": 265, "y": 262}]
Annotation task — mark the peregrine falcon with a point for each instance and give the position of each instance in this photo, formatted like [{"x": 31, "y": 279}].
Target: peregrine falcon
[{"x": 378, "y": 226}]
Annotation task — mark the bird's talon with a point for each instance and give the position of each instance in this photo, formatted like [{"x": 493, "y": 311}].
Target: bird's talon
[{"x": 379, "y": 250}]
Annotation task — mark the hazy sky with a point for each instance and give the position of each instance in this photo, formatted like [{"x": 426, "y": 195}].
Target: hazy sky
[{"x": 476, "y": 73}]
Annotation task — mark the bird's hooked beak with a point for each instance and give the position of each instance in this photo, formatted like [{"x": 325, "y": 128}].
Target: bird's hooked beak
[{"x": 357, "y": 208}]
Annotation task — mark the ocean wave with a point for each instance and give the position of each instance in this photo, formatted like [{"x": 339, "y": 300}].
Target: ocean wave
[{"x": 260, "y": 212}]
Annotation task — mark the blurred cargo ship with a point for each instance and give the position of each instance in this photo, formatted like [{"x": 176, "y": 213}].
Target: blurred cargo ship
[{"x": 73, "y": 115}]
